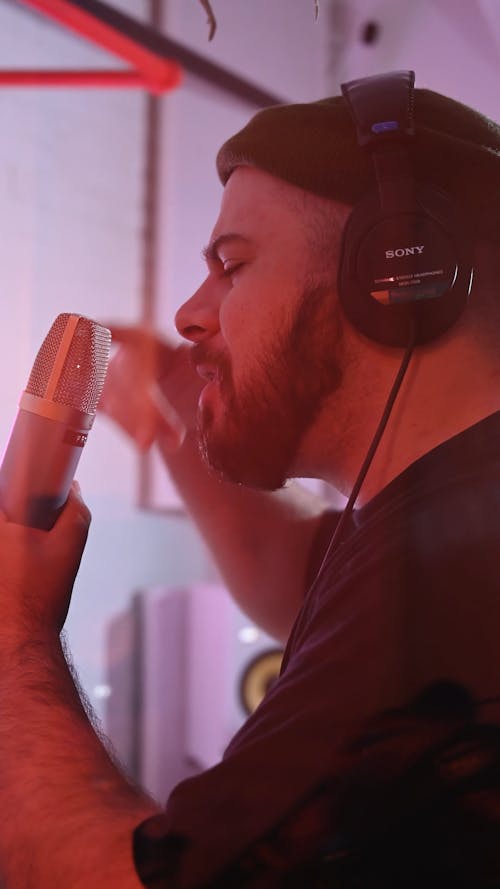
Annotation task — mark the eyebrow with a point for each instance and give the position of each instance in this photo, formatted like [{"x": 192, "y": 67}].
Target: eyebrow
[{"x": 212, "y": 250}]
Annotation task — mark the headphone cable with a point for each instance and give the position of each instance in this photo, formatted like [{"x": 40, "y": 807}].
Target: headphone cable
[{"x": 337, "y": 534}]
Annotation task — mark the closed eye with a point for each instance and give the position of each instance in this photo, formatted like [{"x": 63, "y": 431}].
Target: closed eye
[{"x": 230, "y": 268}]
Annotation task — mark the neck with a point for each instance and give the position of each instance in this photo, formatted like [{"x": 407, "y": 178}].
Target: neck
[{"x": 449, "y": 386}]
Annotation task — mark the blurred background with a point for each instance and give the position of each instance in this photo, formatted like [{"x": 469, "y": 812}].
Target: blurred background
[{"x": 107, "y": 196}]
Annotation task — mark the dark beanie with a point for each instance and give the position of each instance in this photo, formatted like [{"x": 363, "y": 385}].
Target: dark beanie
[{"x": 314, "y": 147}]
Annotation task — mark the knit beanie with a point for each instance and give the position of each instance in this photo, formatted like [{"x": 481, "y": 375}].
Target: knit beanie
[{"x": 314, "y": 146}]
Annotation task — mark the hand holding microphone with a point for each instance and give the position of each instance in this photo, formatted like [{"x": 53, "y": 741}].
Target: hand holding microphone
[{"x": 56, "y": 412}]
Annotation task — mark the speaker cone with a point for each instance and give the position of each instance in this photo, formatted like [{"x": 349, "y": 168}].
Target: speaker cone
[{"x": 259, "y": 676}]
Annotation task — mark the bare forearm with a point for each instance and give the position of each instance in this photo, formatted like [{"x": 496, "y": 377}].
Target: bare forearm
[
  {"x": 68, "y": 812},
  {"x": 260, "y": 540}
]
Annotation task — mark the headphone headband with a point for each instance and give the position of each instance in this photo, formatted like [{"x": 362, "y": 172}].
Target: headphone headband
[{"x": 382, "y": 107}]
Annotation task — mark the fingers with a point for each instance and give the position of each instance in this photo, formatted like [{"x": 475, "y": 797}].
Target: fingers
[
  {"x": 132, "y": 396},
  {"x": 74, "y": 513},
  {"x": 37, "y": 572},
  {"x": 76, "y": 506},
  {"x": 170, "y": 424},
  {"x": 72, "y": 525},
  {"x": 151, "y": 353},
  {"x": 139, "y": 336},
  {"x": 127, "y": 401},
  {"x": 127, "y": 333}
]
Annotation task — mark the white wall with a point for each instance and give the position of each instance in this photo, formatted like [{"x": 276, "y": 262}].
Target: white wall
[{"x": 453, "y": 46}]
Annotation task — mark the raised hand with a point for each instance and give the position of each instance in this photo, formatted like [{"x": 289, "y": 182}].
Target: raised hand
[{"x": 151, "y": 389}]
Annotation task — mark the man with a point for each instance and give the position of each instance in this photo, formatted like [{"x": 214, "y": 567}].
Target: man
[{"x": 289, "y": 387}]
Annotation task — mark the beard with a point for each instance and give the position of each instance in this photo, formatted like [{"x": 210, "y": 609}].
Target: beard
[{"x": 257, "y": 440}]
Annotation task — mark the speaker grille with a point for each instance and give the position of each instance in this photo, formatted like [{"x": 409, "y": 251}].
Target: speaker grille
[{"x": 83, "y": 368}]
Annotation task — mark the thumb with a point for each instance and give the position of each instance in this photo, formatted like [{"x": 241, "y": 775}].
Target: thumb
[{"x": 74, "y": 521}]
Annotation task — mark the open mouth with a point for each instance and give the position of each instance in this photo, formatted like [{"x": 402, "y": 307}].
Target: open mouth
[{"x": 207, "y": 372}]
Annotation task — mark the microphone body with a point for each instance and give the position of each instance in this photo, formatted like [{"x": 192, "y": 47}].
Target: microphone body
[{"x": 56, "y": 413}]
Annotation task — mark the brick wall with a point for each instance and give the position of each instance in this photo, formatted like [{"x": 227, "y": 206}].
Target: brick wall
[{"x": 71, "y": 212}]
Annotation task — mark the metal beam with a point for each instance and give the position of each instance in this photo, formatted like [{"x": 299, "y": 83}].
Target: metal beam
[{"x": 158, "y": 58}]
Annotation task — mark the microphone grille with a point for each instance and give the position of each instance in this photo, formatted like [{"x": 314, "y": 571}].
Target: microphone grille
[{"x": 71, "y": 364}]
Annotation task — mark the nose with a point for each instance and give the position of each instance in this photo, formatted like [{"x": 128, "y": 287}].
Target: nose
[{"x": 198, "y": 318}]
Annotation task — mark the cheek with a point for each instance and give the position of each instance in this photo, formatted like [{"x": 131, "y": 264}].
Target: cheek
[
  {"x": 256, "y": 311},
  {"x": 246, "y": 325}
]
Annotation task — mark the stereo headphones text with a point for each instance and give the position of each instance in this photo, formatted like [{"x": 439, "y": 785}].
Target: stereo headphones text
[{"x": 406, "y": 258}]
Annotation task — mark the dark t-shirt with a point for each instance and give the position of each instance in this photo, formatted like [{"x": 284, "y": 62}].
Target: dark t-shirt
[{"x": 410, "y": 595}]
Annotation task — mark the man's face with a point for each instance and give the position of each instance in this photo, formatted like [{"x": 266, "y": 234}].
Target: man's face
[{"x": 266, "y": 335}]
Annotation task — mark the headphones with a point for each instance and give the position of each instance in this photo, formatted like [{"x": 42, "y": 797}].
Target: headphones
[{"x": 406, "y": 265}]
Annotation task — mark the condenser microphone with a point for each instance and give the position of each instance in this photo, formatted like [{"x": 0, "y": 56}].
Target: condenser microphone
[{"x": 56, "y": 412}]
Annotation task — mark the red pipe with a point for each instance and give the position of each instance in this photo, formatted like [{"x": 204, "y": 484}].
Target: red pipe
[
  {"x": 102, "y": 79},
  {"x": 161, "y": 74}
]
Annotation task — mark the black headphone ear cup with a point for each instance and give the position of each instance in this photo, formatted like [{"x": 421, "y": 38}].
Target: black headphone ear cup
[{"x": 404, "y": 270}]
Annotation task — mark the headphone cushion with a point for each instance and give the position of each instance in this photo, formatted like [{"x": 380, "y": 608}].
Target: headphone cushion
[{"x": 403, "y": 269}]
